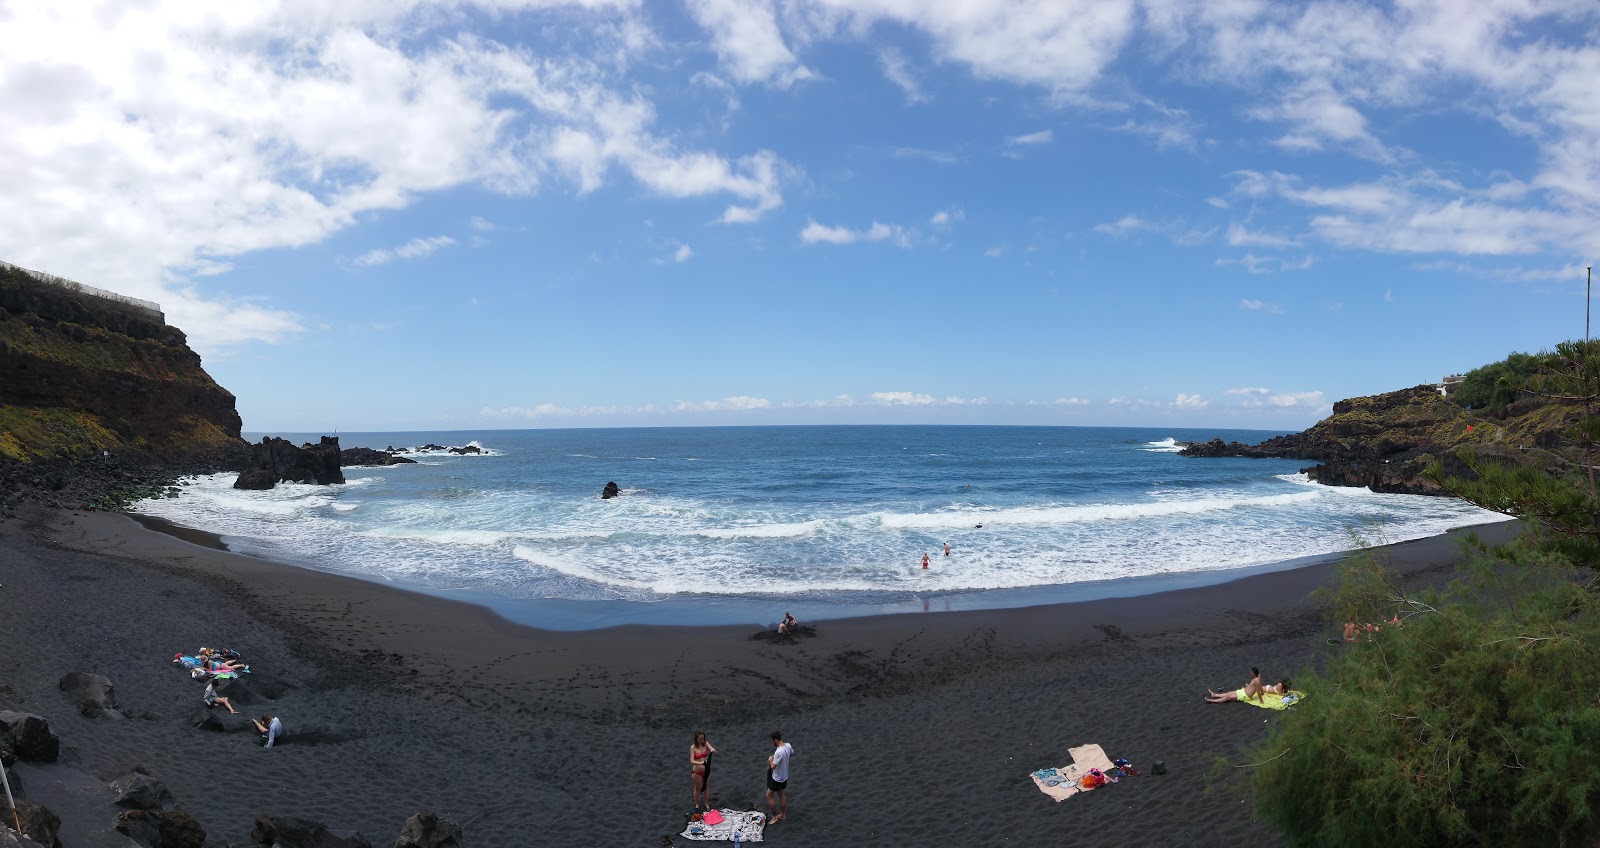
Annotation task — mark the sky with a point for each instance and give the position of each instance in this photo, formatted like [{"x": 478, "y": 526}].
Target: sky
[{"x": 381, "y": 215}]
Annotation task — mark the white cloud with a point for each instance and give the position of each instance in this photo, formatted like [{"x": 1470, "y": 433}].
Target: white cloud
[
  {"x": 897, "y": 71},
  {"x": 815, "y": 233},
  {"x": 946, "y": 217},
  {"x": 1057, "y": 44},
  {"x": 1300, "y": 400},
  {"x": 1184, "y": 401},
  {"x": 1247, "y": 390},
  {"x": 1070, "y": 401},
  {"x": 738, "y": 403},
  {"x": 413, "y": 249},
  {"x": 1124, "y": 226},
  {"x": 164, "y": 139},
  {"x": 1260, "y": 306},
  {"x": 481, "y": 224},
  {"x": 1040, "y": 137},
  {"x": 683, "y": 253},
  {"x": 745, "y": 35},
  {"x": 903, "y": 399}
]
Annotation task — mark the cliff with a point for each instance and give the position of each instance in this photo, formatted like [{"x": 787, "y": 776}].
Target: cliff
[
  {"x": 1385, "y": 441},
  {"x": 99, "y": 396}
]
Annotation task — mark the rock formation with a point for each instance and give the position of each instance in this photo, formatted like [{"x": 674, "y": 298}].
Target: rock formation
[
  {"x": 353, "y": 457},
  {"x": 26, "y": 737},
  {"x": 610, "y": 491},
  {"x": 100, "y": 398},
  {"x": 276, "y": 460},
  {"x": 293, "y": 832},
  {"x": 1385, "y": 441},
  {"x": 426, "y": 830},
  {"x": 93, "y": 694}
]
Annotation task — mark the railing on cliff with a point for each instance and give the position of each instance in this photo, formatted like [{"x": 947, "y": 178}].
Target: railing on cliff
[{"x": 151, "y": 307}]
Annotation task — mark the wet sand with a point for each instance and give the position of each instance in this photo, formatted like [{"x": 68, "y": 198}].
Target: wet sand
[{"x": 917, "y": 729}]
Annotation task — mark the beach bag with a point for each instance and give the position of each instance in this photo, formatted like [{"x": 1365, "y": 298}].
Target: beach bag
[{"x": 1094, "y": 778}]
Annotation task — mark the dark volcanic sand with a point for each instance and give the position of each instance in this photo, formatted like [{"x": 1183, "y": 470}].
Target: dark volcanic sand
[{"x": 908, "y": 729}]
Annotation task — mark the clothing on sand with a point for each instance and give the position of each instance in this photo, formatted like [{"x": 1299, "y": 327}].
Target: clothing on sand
[
  {"x": 1063, "y": 782},
  {"x": 748, "y": 826}
]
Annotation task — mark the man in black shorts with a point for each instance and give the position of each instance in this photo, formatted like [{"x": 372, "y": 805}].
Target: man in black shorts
[{"x": 778, "y": 778}]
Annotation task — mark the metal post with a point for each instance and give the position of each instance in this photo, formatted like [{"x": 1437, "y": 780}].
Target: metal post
[
  {"x": 10, "y": 800},
  {"x": 1588, "y": 287}
]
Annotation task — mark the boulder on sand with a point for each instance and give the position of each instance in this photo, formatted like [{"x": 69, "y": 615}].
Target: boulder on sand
[
  {"x": 161, "y": 829},
  {"x": 205, "y": 718},
  {"x": 295, "y": 832},
  {"x": 426, "y": 830},
  {"x": 29, "y": 737},
  {"x": 38, "y": 823},
  {"x": 140, "y": 791},
  {"x": 94, "y": 694}
]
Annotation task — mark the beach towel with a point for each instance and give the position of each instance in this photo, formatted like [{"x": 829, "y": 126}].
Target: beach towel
[
  {"x": 747, "y": 825},
  {"x": 1270, "y": 701},
  {"x": 1063, "y": 782}
]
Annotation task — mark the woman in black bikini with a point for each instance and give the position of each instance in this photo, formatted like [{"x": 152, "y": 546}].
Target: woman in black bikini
[{"x": 700, "y": 752}]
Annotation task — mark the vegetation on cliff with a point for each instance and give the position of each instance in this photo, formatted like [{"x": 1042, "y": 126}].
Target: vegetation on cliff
[
  {"x": 1387, "y": 441},
  {"x": 1478, "y": 721},
  {"x": 95, "y": 389}
]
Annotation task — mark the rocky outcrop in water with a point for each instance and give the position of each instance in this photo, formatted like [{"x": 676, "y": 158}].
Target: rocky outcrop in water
[
  {"x": 100, "y": 399},
  {"x": 610, "y": 491},
  {"x": 1384, "y": 442},
  {"x": 355, "y": 457},
  {"x": 276, "y": 460}
]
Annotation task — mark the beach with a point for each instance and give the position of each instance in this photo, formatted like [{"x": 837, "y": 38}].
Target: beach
[{"x": 907, "y": 729}]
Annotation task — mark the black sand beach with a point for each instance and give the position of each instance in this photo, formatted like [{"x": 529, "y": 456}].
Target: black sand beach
[{"x": 908, "y": 729}]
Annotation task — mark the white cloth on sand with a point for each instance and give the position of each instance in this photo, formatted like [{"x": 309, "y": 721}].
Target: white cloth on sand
[
  {"x": 1084, "y": 757},
  {"x": 747, "y": 825}
]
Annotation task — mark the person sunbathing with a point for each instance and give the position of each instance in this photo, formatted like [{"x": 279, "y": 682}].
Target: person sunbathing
[
  {"x": 1253, "y": 689},
  {"x": 1279, "y": 688}
]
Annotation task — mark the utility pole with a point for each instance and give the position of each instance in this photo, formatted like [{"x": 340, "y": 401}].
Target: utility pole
[{"x": 1588, "y": 288}]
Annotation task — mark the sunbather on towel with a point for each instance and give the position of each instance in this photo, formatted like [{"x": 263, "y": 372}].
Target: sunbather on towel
[{"x": 1253, "y": 689}]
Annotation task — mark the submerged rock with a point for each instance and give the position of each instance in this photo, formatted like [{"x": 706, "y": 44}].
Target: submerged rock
[{"x": 610, "y": 491}]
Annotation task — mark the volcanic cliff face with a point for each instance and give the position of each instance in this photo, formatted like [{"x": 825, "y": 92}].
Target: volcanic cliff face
[
  {"x": 1385, "y": 441},
  {"x": 82, "y": 375}
]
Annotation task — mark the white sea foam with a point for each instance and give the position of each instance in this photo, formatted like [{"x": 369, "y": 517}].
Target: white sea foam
[
  {"x": 1083, "y": 514},
  {"x": 763, "y": 531},
  {"x": 1167, "y": 445}
]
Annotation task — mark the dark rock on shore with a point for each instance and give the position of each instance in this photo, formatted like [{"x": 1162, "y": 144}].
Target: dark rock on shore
[
  {"x": 27, "y": 737},
  {"x": 161, "y": 828},
  {"x": 11, "y": 839},
  {"x": 463, "y": 451},
  {"x": 280, "y": 459},
  {"x": 38, "y": 823},
  {"x": 205, "y": 718},
  {"x": 293, "y": 832},
  {"x": 94, "y": 694},
  {"x": 426, "y": 830},
  {"x": 1384, "y": 442},
  {"x": 353, "y": 457},
  {"x": 140, "y": 791},
  {"x": 610, "y": 491}
]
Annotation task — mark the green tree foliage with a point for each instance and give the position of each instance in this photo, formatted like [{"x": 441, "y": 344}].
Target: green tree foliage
[
  {"x": 1478, "y": 721},
  {"x": 1493, "y": 386}
]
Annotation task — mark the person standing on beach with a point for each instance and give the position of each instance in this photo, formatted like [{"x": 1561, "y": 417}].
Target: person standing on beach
[
  {"x": 700, "y": 752},
  {"x": 924, "y": 560},
  {"x": 778, "y": 776}
]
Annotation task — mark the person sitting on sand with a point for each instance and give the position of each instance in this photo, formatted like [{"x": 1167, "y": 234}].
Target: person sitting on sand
[
  {"x": 269, "y": 727},
  {"x": 212, "y": 699},
  {"x": 700, "y": 752},
  {"x": 1253, "y": 689},
  {"x": 788, "y": 624}
]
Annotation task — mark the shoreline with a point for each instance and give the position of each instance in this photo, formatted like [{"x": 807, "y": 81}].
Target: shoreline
[
  {"x": 918, "y": 728},
  {"x": 580, "y": 615}
]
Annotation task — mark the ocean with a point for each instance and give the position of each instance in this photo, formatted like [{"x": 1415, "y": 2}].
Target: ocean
[{"x": 737, "y": 524}]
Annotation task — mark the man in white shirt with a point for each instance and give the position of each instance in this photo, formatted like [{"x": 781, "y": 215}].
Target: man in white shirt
[{"x": 778, "y": 778}]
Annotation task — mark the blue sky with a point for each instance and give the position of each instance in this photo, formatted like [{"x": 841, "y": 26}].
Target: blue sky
[{"x": 523, "y": 213}]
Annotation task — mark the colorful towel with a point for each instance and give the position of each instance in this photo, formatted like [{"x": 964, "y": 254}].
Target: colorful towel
[
  {"x": 747, "y": 825},
  {"x": 1270, "y": 701},
  {"x": 1066, "y": 781}
]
